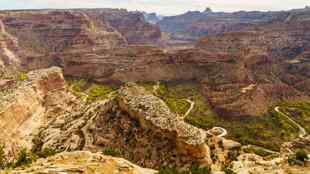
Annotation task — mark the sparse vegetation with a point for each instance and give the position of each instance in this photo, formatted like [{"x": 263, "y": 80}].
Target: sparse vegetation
[
  {"x": 301, "y": 155},
  {"x": 257, "y": 151},
  {"x": 24, "y": 158},
  {"x": 298, "y": 111},
  {"x": 229, "y": 171},
  {"x": 3, "y": 159},
  {"x": 22, "y": 77},
  {"x": 111, "y": 152},
  {"x": 89, "y": 91},
  {"x": 98, "y": 92},
  {"x": 268, "y": 131},
  {"x": 195, "y": 169},
  {"x": 299, "y": 158},
  {"x": 46, "y": 152}
]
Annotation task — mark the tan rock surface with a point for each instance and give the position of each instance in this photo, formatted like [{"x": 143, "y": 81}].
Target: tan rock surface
[{"x": 82, "y": 162}]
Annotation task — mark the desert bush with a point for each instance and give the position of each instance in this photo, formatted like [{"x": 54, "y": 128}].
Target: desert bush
[
  {"x": 3, "y": 159},
  {"x": 299, "y": 158},
  {"x": 24, "y": 158},
  {"x": 301, "y": 155},
  {"x": 229, "y": 171},
  {"x": 46, "y": 152},
  {"x": 22, "y": 77},
  {"x": 111, "y": 152}
]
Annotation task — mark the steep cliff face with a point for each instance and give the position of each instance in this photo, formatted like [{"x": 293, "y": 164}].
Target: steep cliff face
[
  {"x": 55, "y": 31},
  {"x": 132, "y": 25},
  {"x": 22, "y": 110},
  {"x": 266, "y": 62},
  {"x": 191, "y": 26},
  {"x": 8, "y": 50},
  {"x": 262, "y": 61},
  {"x": 46, "y": 34}
]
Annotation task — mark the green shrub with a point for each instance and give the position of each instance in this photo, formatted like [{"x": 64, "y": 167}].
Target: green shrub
[
  {"x": 196, "y": 169},
  {"x": 257, "y": 151},
  {"x": 46, "y": 152},
  {"x": 24, "y": 158},
  {"x": 301, "y": 155},
  {"x": 299, "y": 158},
  {"x": 22, "y": 77},
  {"x": 3, "y": 159},
  {"x": 111, "y": 152},
  {"x": 229, "y": 171},
  {"x": 167, "y": 170}
]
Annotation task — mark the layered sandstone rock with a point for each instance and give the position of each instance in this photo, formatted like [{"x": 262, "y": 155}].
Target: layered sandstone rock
[
  {"x": 190, "y": 26},
  {"x": 242, "y": 73},
  {"x": 21, "y": 111},
  {"x": 152, "y": 113},
  {"x": 82, "y": 162},
  {"x": 132, "y": 25},
  {"x": 8, "y": 50}
]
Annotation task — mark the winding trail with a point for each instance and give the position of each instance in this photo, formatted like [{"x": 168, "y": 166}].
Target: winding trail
[
  {"x": 302, "y": 131},
  {"x": 192, "y": 104}
]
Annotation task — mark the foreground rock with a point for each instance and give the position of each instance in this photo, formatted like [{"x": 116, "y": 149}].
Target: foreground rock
[{"x": 82, "y": 162}]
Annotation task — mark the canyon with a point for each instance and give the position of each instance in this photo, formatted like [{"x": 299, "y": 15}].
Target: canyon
[{"x": 243, "y": 64}]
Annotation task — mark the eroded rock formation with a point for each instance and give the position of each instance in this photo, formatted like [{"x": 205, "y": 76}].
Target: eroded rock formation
[{"x": 22, "y": 110}]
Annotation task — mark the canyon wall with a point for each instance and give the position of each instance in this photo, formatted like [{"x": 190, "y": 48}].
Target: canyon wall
[{"x": 266, "y": 61}]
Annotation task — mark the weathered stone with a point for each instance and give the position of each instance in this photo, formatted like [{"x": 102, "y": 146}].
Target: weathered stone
[
  {"x": 82, "y": 162},
  {"x": 152, "y": 113},
  {"x": 22, "y": 111}
]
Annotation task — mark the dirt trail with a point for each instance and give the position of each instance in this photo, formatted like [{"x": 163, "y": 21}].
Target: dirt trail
[
  {"x": 192, "y": 104},
  {"x": 302, "y": 131}
]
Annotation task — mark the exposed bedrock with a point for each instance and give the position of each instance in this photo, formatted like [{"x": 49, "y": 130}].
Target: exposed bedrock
[{"x": 22, "y": 110}]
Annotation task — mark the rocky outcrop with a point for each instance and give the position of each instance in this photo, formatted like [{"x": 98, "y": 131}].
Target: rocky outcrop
[
  {"x": 137, "y": 125},
  {"x": 21, "y": 111},
  {"x": 250, "y": 163},
  {"x": 152, "y": 113},
  {"x": 82, "y": 162}
]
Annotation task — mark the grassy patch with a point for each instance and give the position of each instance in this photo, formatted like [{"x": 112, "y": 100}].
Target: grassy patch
[
  {"x": 89, "y": 91},
  {"x": 111, "y": 152},
  {"x": 98, "y": 92}
]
